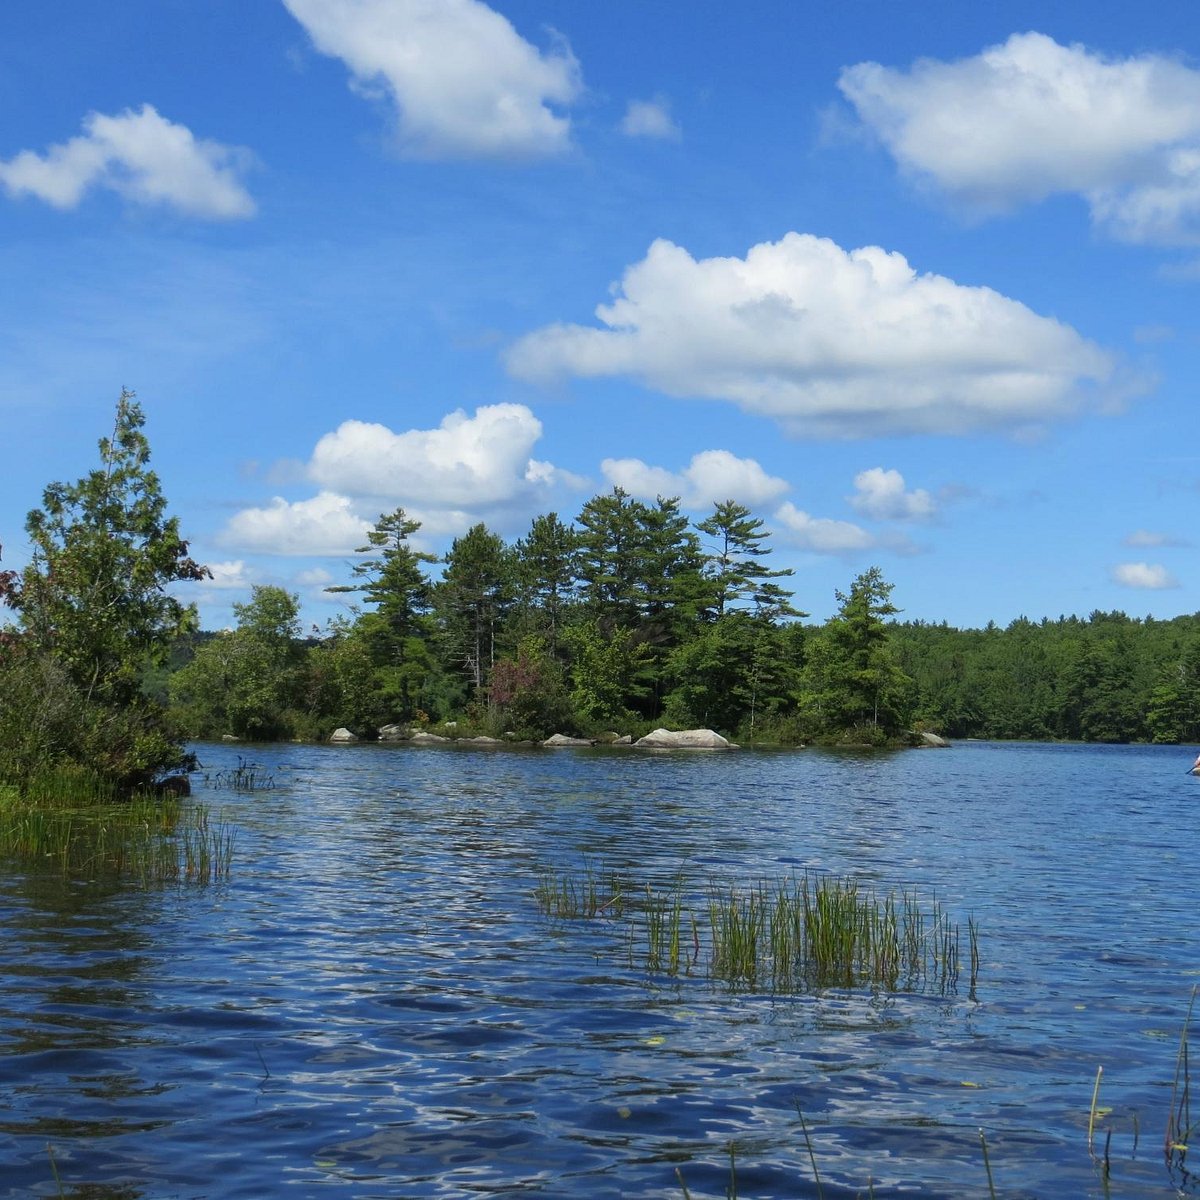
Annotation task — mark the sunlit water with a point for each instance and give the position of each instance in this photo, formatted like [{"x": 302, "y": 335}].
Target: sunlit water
[{"x": 373, "y": 1006}]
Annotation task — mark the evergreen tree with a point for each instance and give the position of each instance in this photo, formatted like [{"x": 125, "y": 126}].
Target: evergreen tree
[
  {"x": 545, "y": 576},
  {"x": 396, "y": 630},
  {"x": 853, "y": 677},
  {"x": 735, "y": 561},
  {"x": 610, "y": 558},
  {"x": 472, "y": 601},
  {"x": 95, "y": 614}
]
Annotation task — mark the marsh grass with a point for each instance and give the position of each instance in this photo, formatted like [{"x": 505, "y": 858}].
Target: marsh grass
[
  {"x": 88, "y": 834},
  {"x": 568, "y": 896},
  {"x": 805, "y": 933},
  {"x": 1180, "y": 1125},
  {"x": 245, "y": 777}
]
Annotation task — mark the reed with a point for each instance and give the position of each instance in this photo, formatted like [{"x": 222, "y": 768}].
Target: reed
[
  {"x": 565, "y": 895},
  {"x": 987, "y": 1166},
  {"x": 1180, "y": 1126},
  {"x": 738, "y": 927},
  {"x": 810, "y": 932},
  {"x": 245, "y": 777},
  {"x": 147, "y": 840}
]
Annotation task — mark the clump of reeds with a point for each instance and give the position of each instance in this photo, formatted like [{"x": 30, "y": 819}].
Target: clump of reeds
[
  {"x": 245, "y": 777},
  {"x": 810, "y": 932},
  {"x": 663, "y": 916},
  {"x": 145, "y": 839},
  {"x": 568, "y": 896},
  {"x": 820, "y": 931}
]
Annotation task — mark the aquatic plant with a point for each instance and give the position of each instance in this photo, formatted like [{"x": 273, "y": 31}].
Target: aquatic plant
[
  {"x": 146, "y": 839},
  {"x": 1180, "y": 1126},
  {"x": 806, "y": 933},
  {"x": 662, "y": 913},
  {"x": 245, "y": 777},
  {"x": 567, "y": 896}
]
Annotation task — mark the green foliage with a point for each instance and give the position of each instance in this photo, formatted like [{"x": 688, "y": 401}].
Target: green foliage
[
  {"x": 529, "y": 692},
  {"x": 544, "y": 575},
  {"x": 631, "y": 618},
  {"x": 245, "y": 682},
  {"x": 852, "y": 676},
  {"x": 472, "y": 603},
  {"x": 724, "y": 675},
  {"x": 606, "y": 672},
  {"x": 396, "y": 631},
  {"x": 735, "y": 562},
  {"x": 1174, "y": 710},
  {"x": 341, "y": 685},
  {"x": 95, "y": 616},
  {"x": 1108, "y": 677}
]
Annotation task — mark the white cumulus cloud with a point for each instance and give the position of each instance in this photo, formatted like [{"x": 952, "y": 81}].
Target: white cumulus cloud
[
  {"x": 464, "y": 83},
  {"x": 821, "y": 535},
  {"x": 650, "y": 119},
  {"x": 143, "y": 157},
  {"x": 882, "y": 494},
  {"x": 226, "y": 576},
  {"x": 1031, "y": 118},
  {"x": 828, "y": 342},
  {"x": 326, "y": 524},
  {"x": 466, "y": 462},
  {"x": 711, "y": 477},
  {"x": 1144, "y": 575}
]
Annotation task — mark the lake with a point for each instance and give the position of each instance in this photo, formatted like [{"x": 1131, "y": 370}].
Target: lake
[{"x": 374, "y": 1005}]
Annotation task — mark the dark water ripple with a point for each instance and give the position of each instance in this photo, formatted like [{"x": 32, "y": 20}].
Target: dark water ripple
[{"x": 373, "y": 1007}]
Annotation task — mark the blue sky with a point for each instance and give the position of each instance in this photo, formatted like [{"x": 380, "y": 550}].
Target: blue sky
[{"x": 917, "y": 283}]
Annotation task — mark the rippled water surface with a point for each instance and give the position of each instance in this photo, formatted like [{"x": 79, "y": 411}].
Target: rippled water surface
[{"x": 373, "y": 1005}]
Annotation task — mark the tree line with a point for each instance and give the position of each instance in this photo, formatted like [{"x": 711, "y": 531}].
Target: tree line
[
  {"x": 1106, "y": 678},
  {"x": 625, "y": 617}
]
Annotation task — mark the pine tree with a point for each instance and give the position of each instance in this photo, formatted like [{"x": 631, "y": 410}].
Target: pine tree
[{"x": 735, "y": 562}]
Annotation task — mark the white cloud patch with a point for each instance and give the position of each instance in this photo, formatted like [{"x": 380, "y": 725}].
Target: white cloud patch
[
  {"x": 141, "y": 156},
  {"x": 1147, "y": 538},
  {"x": 882, "y": 494},
  {"x": 465, "y": 84},
  {"x": 1031, "y": 118},
  {"x": 226, "y": 576},
  {"x": 1144, "y": 575},
  {"x": 229, "y": 581},
  {"x": 468, "y": 469},
  {"x": 711, "y": 477},
  {"x": 828, "y": 342},
  {"x": 821, "y": 535},
  {"x": 467, "y": 462},
  {"x": 326, "y": 524},
  {"x": 650, "y": 119}
]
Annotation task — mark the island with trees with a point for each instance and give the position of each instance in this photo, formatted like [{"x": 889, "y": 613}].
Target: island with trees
[{"x": 627, "y": 617}]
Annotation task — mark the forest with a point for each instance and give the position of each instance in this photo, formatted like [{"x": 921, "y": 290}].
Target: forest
[
  {"x": 626, "y": 617},
  {"x": 630, "y": 617}
]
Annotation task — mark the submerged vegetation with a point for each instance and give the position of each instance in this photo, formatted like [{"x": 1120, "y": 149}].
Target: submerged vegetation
[{"x": 805, "y": 933}]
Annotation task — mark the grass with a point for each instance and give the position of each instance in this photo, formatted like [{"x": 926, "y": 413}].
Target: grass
[
  {"x": 245, "y": 777},
  {"x": 572, "y": 897},
  {"x": 76, "y": 828},
  {"x": 1180, "y": 1126},
  {"x": 806, "y": 933}
]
